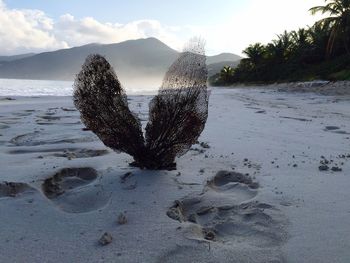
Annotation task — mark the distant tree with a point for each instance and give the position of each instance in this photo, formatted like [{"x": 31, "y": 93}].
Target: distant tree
[
  {"x": 177, "y": 114},
  {"x": 300, "y": 37},
  {"x": 301, "y": 46},
  {"x": 320, "y": 51},
  {"x": 319, "y": 38},
  {"x": 226, "y": 73},
  {"x": 283, "y": 46},
  {"x": 255, "y": 53},
  {"x": 255, "y": 58},
  {"x": 339, "y": 22}
]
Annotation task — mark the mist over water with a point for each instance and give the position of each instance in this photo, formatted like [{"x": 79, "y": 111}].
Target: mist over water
[{"x": 25, "y": 87}]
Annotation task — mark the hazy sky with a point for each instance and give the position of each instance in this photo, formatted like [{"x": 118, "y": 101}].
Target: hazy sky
[{"x": 227, "y": 26}]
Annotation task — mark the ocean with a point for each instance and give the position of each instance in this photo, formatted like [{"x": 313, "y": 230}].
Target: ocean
[{"x": 25, "y": 87}]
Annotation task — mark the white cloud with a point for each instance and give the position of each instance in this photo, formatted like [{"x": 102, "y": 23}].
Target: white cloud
[
  {"x": 32, "y": 30},
  {"x": 26, "y": 30},
  {"x": 82, "y": 31}
]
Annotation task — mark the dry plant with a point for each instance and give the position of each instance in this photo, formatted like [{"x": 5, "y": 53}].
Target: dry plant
[{"x": 177, "y": 115}]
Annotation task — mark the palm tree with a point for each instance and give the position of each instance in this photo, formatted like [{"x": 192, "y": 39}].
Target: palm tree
[
  {"x": 338, "y": 21},
  {"x": 301, "y": 37},
  {"x": 226, "y": 73},
  {"x": 319, "y": 36},
  {"x": 255, "y": 53},
  {"x": 301, "y": 45},
  {"x": 285, "y": 43},
  {"x": 280, "y": 49}
]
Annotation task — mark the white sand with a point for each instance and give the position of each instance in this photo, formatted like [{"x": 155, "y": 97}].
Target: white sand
[{"x": 297, "y": 214}]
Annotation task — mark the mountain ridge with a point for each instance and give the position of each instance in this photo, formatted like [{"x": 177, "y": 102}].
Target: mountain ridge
[{"x": 146, "y": 59}]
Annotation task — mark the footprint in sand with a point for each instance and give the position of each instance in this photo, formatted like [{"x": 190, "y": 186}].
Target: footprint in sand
[
  {"x": 12, "y": 189},
  {"x": 74, "y": 190},
  {"x": 231, "y": 186},
  {"x": 4, "y": 126},
  {"x": 69, "y": 109},
  {"x": 70, "y": 153},
  {"x": 81, "y": 153},
  {"x": 42, "y": 138},
  {"x": 55, "y": 120},
  {"x": 25, "y": 139},
  {"x": 128, "y": 181},
  {"x": 335, "y": 129},
  {"x": 295, "y": 118},
  {"x": 47, "y": 119},
  {"x": 22, "y": 114},
  {"x": 331, "y": 128},
  {"x": 10, "y": 121},
  {"x": 230, "y": 217}
]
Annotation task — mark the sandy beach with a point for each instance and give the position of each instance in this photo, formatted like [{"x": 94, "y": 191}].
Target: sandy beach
[{"x": 254, "y": 189}]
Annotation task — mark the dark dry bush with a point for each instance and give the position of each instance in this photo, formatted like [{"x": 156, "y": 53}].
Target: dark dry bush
[{"x": 177, "y": 114}]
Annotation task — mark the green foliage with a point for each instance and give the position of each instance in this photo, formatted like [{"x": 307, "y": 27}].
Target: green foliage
[
  {"x": 341, "y": 75},
  {"x": 226, "y": 73},
  {"x": 320, "y": 51},
  {"x": 338, "y": 23}
]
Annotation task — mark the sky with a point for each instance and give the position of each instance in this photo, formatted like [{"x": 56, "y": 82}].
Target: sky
[{"x": 227, "y": 26}]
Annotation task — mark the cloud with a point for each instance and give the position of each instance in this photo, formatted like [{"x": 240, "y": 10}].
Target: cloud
[
  {"x": 87, "y": 30},
  {"x": 28, "y": 30}
]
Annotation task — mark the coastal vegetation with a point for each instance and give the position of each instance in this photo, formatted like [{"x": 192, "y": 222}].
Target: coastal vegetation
[{"x": 321, "y": 51}]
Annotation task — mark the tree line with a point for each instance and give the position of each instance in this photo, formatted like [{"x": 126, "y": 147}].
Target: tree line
[{"x": 321, "y": 51}]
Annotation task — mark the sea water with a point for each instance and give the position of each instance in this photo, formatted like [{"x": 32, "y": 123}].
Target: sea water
[{"x": 25, "y": 87}]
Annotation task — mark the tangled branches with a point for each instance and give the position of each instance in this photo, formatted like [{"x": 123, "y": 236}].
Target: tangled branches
[{"x": 177, "y": 114}]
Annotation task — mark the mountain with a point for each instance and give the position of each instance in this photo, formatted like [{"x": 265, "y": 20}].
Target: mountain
[
  {"x": 140, "y": 63},
  {"x": 222, "y": 57},
  {"x": 15, "y": 57}
]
